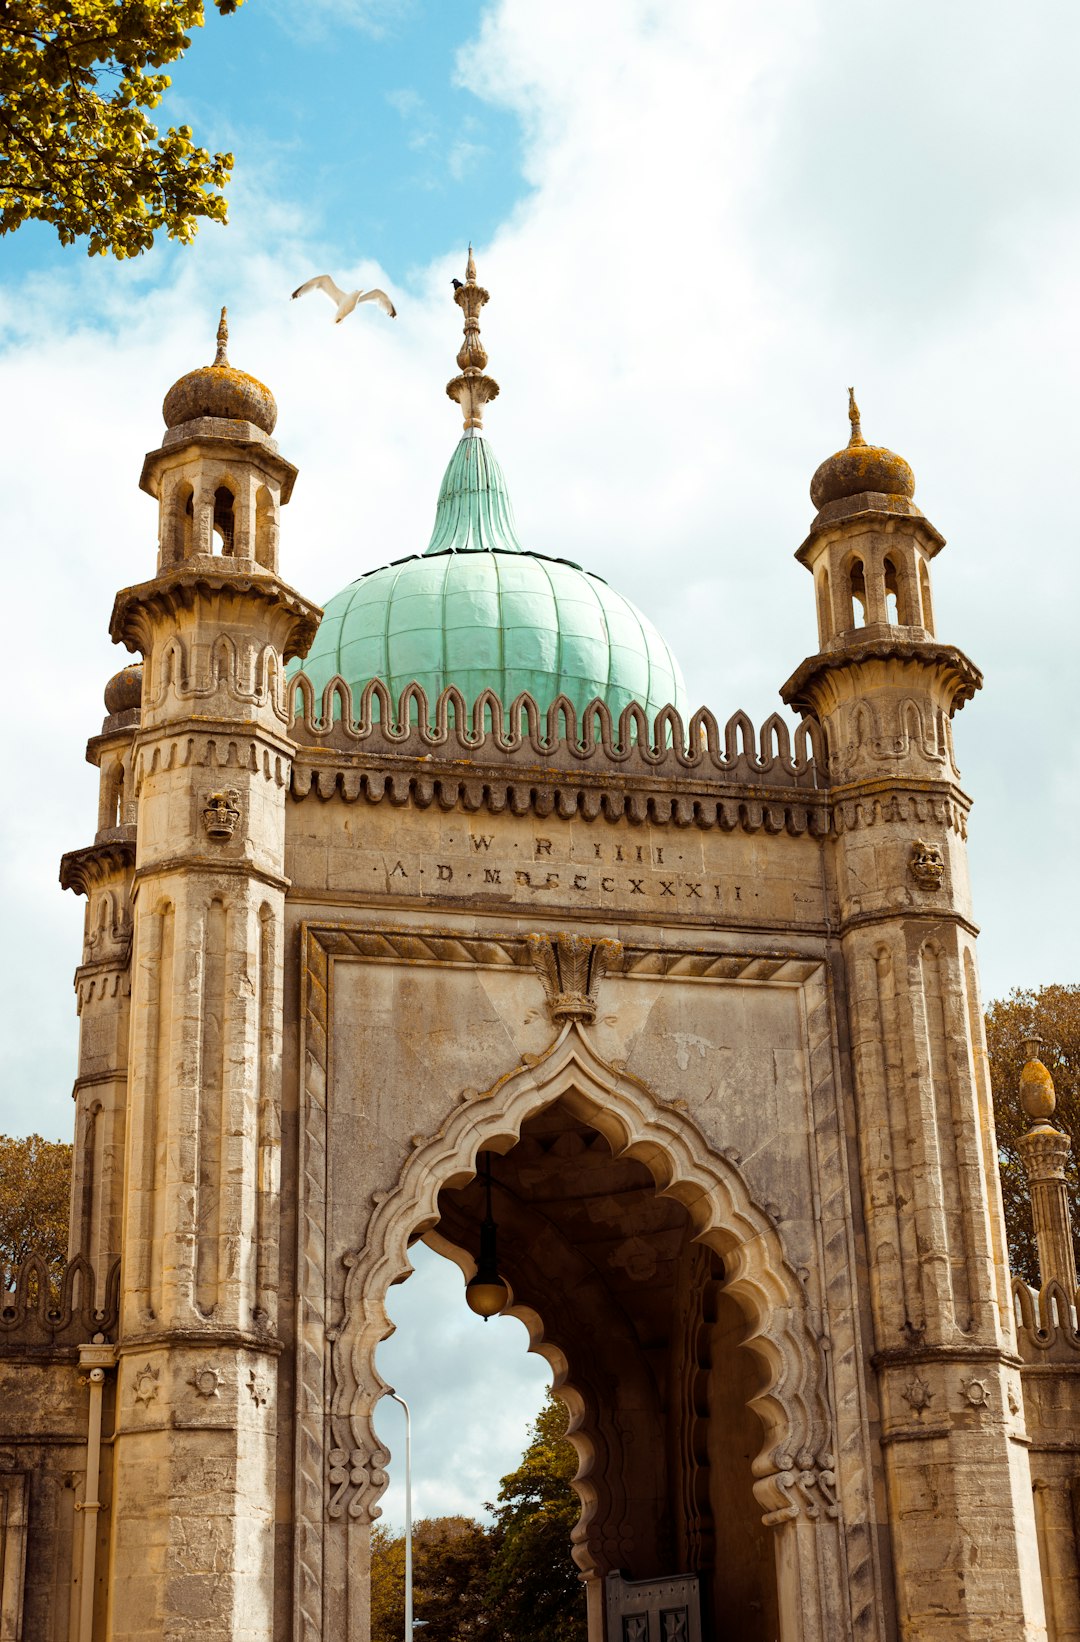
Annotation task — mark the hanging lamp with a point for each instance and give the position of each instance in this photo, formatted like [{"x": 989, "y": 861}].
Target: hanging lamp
[{"x": 486, "y": 1293}]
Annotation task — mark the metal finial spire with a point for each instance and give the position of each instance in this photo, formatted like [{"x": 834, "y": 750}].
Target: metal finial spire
[
  {"x": 855, "y": 420},
  {"x": 223, "y": 339},
  {"x": 472, "y": 389}
]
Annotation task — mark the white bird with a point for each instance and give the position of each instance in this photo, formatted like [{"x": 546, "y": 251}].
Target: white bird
[{"x": 346, "y": 300}]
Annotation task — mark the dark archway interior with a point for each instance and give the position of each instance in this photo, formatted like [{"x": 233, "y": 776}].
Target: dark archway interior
[{"x": 655, "y": 1371}]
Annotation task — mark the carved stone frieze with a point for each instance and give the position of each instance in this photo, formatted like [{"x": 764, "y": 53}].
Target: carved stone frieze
[
  {"x": 571, "y": 968},
  {"x": 224, "y": 750}
]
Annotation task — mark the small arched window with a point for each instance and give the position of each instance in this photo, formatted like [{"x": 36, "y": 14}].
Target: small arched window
[
  {"x": 824, "y": 606},
  {"x": 180, "y": 519},
  {"x": 265, "y": 529},
  {"x": 924, "y": 589},
  {"x": 224, "y": 517},
  {"x": 858, "y": 593},
  {"x": 893, "y": 609}
]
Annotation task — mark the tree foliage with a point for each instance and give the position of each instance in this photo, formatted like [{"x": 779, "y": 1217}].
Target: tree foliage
[
  {"x": 513, "y": 1581},
  {"x": 77, "y": 148},
  {"x": 35, "y": 1184},
  {"x": 451, "y": 1559},
  {"x": 1053, "y": 1012},
  {"x": 535, "y": 1587}
]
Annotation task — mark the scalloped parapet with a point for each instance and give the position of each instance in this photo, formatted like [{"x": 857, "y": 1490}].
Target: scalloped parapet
[
  {"x": 41, "y": 1310},
  {"x": 522, "y": 731},
  {"x": 1047, "y": 1322}
]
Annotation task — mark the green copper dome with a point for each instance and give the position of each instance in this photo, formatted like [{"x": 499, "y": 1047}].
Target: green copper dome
[{"x": 478, "y": 611}]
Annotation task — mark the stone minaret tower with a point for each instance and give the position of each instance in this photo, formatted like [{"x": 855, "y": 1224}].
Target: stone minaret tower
[
  {"x": 884, "y": 690},
  {"x": 207, "y": 770}
]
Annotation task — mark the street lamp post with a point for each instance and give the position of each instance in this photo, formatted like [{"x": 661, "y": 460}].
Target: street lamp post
[{"x": 408, "y": 1515}]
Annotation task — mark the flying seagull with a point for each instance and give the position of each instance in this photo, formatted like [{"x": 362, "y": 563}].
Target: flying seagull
[{"x": 346, "y": 301}]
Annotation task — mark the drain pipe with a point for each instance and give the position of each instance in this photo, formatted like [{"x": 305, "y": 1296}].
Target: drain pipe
[{"x": 97, "y": 1358}]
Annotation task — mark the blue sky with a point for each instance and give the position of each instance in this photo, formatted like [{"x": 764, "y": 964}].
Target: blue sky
[
  {"x": 357, "y": 113},
  {"x": 699, "y": 222}
]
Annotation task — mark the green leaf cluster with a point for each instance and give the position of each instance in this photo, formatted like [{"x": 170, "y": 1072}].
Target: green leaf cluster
[
  {"x": 35, "y": 1189},
  {"x": 513, "y": 1581},
  {"x": 1053, "y": 1013},
  {"x": 77, "y": 148}
]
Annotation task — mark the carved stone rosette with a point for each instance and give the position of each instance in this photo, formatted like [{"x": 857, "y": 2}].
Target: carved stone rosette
[{"x": 571, "y": 968}]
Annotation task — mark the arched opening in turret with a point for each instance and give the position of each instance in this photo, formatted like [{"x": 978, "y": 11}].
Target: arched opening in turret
[
  {"x": 824, "y": 605},
  {"x": 179, "y": 524},
  {"x": 924, "y": 590},
  {"x": 266, "y": 529},
  {"x": 857, "y": 586},
  {"x": 224, "y": 518},
  {"x": 896, "y": 613}
]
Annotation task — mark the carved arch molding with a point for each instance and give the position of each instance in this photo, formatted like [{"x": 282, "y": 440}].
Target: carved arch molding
[{"x": 813, "y": 1473}]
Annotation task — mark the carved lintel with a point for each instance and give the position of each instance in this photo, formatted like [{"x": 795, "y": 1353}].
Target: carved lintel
[
  {"x": 927, "y": 864},
  {"x": 571, "y": 968}
]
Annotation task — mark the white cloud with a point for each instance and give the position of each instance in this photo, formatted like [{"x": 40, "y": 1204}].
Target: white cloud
[{"x": 725, "y": 226}]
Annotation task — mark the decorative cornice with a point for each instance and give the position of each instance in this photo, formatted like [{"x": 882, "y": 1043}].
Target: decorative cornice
[
  {"x": 961, "y": 677},
  {"x": 961, "y": 673},
  {"x": 545, "y": 792},
  {"x": 182, "y": 586},
  {"x": 86, "y": 869}
]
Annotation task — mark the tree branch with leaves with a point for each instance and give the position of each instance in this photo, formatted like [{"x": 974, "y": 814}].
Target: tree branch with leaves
[{"x": 78, "y": 149}]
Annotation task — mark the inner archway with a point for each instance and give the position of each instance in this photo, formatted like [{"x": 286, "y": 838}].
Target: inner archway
[{"x": 630, "y": 1309}]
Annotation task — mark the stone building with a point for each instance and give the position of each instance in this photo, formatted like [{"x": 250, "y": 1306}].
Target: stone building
[{"x": 474, "y": 893}]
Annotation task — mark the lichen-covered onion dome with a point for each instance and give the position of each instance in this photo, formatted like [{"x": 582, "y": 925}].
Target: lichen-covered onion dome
[
  {"x": 478, "y": 611},
  {"x": 221, "y": 391},
  {"x": 124, "y": 689},
  {"x": 860, "y": 467}
]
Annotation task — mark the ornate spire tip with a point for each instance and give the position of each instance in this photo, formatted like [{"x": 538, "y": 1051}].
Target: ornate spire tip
[
  {"x": 223, "y": 339},
  {"x": 855, "y": 419}
]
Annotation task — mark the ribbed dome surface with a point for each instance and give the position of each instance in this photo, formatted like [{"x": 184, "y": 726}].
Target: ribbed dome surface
[{"x": 478, "y": 612}]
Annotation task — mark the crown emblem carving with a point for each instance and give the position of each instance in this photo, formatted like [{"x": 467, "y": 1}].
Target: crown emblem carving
[
  {"x": 571, "y": 968},
  {"x": 222, "y": 813}
]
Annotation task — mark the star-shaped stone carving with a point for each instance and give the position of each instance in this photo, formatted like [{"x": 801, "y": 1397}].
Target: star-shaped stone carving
[
  {"x": 260, "y": 1391},
  {"x": 917, "y": 1394},
  {"x": 977, "y": 1392},
  {"x": 145, "y": 1384},
  {"x": 207, "y": 1381}
]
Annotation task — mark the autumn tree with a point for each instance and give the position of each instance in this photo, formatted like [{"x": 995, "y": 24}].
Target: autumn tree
[
  {"x": 451, "y": 1559},
  {"x": 1053, "y": 1013},
  {"x": 78, "y": 149},
  {"x": 35, "y": 1182},
  {"x": 535, "y": 1586}
]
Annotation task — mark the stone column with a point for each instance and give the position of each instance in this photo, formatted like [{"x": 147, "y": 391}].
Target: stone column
[
  {"x": 103, "y": 873},
  {"x": 884, "y": 692},
  {"x": 1045, "y": 1151},
  {"x": 194, "y": 1476}
]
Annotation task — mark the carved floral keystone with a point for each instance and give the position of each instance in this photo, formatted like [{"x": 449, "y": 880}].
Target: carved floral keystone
[{"x": 571, "y": 968}]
